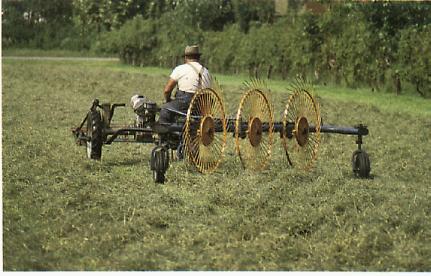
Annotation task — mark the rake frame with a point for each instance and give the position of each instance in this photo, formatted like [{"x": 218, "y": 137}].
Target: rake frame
[{"x": 170, "y": 137}]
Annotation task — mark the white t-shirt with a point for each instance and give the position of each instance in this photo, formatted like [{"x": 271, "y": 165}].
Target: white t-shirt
[{"x": 188, "y": 78}]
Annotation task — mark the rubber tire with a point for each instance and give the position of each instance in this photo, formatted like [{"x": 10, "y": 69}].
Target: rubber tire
[
  {"x": 94, "y": 133},
  {"x": 361, "y": 165},
  {"x": 159, "y": 176},
  {"x": 159, "y": 163},
  {"x": 180, "y": 150}
]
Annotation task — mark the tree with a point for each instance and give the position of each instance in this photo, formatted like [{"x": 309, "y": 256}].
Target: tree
[
  {"x": 415, "y": 58},
  {"x": 247, "y": 11},
  {"x": 24, "y": 21}
]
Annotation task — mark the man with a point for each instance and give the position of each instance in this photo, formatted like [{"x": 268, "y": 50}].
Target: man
[{"x": 189, "y": 77}]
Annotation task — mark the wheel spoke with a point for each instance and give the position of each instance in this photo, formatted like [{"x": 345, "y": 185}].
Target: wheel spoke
[
  {"x": 206, "y": 157},
  {"x": 253, "y": 105},
  {"x": 302, "y": 105}
]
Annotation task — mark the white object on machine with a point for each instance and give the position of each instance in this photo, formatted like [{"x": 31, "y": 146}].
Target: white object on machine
[{"x": 137, "y": 101}]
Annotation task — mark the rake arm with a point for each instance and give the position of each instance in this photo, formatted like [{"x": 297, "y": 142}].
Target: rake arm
[{"x": 357, "y": 130}]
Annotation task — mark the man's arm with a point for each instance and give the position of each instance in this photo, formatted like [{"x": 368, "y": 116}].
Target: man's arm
[{"x": 170, "y": 85}]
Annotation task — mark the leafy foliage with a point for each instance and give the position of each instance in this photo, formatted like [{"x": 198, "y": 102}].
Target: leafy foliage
[
  {"x": 40, "y": 24},
  {"x": 351, "y": 43},
  {"x": 415, "y": 43}
]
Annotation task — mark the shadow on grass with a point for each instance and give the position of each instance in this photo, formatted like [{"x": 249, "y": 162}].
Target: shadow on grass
[{"x": 125, "y": 162}]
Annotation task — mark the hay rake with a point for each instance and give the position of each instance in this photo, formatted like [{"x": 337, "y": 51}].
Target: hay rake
[{"x": 200, "y": 135}]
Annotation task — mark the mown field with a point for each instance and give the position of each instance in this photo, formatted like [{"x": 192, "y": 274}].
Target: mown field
[{"x": 62, "y": 211}]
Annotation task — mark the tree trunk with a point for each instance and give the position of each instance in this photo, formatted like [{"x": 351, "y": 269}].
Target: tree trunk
[
  {"x": 268, "y": 75},
  {"x": 256, "y": 72},
  {"x": 418, "y": 88},
  {"x": 397, "y": 84}
]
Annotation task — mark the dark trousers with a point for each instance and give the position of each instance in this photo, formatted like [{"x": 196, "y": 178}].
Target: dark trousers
[{"x": 180, "y": 103}]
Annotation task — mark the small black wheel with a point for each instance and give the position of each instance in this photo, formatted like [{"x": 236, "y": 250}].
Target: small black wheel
[
  {"x": 180, "y": 150},
  {"x": 159, "y": 163},
  {"x": 159, "y": 176},
  {"x": 94, "y": 134},
  {"x": 361, "y": 164}
]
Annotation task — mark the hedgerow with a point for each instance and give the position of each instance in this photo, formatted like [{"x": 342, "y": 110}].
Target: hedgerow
[
  {"x": 344, "y": 45},
  {"x": 383, "y": 45}
]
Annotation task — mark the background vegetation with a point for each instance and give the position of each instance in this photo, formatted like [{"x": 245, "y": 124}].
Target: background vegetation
[
  {"x": 382, "y": 45},
  {"x": 62, "y": 211}
]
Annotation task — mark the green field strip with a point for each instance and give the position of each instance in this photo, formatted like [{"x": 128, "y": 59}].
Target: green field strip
[{"x": 410, "y": 104}]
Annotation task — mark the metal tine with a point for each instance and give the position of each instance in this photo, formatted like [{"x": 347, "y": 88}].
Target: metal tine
[{"x": 261, "y": 85}]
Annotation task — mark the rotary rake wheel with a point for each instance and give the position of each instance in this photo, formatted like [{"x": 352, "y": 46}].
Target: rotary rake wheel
[
  {"x": 302, "y": 113},
  {"x": 205, "y": 130},
  {"x": 254, "y": 129}
]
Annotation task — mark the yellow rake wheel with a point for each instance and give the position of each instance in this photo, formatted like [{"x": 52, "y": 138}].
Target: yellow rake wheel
[
  {"x": 205, "y": 131},
  {"x": 303, "y": 112},
  {"x": 254, "y": 130}
]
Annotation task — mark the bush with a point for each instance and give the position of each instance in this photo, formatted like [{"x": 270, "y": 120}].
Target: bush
[
  {"x": 380, "y": 45},
  {"x": 221, "y": 49},
  {"x": 136, "y": 41},
  {"x": 171, "y": 39},
  {"x": 107, "y": 42},
  {"x": 414, "y": 58}
]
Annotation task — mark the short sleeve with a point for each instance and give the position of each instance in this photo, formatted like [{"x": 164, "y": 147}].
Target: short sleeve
[{"x": 176, "y": 73}]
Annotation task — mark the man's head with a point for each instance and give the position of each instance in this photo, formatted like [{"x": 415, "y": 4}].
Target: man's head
[{"x": 192, "y": 52}]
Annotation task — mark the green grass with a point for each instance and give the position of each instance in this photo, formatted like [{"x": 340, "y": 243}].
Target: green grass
[{"x": 62, "y": 211}]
